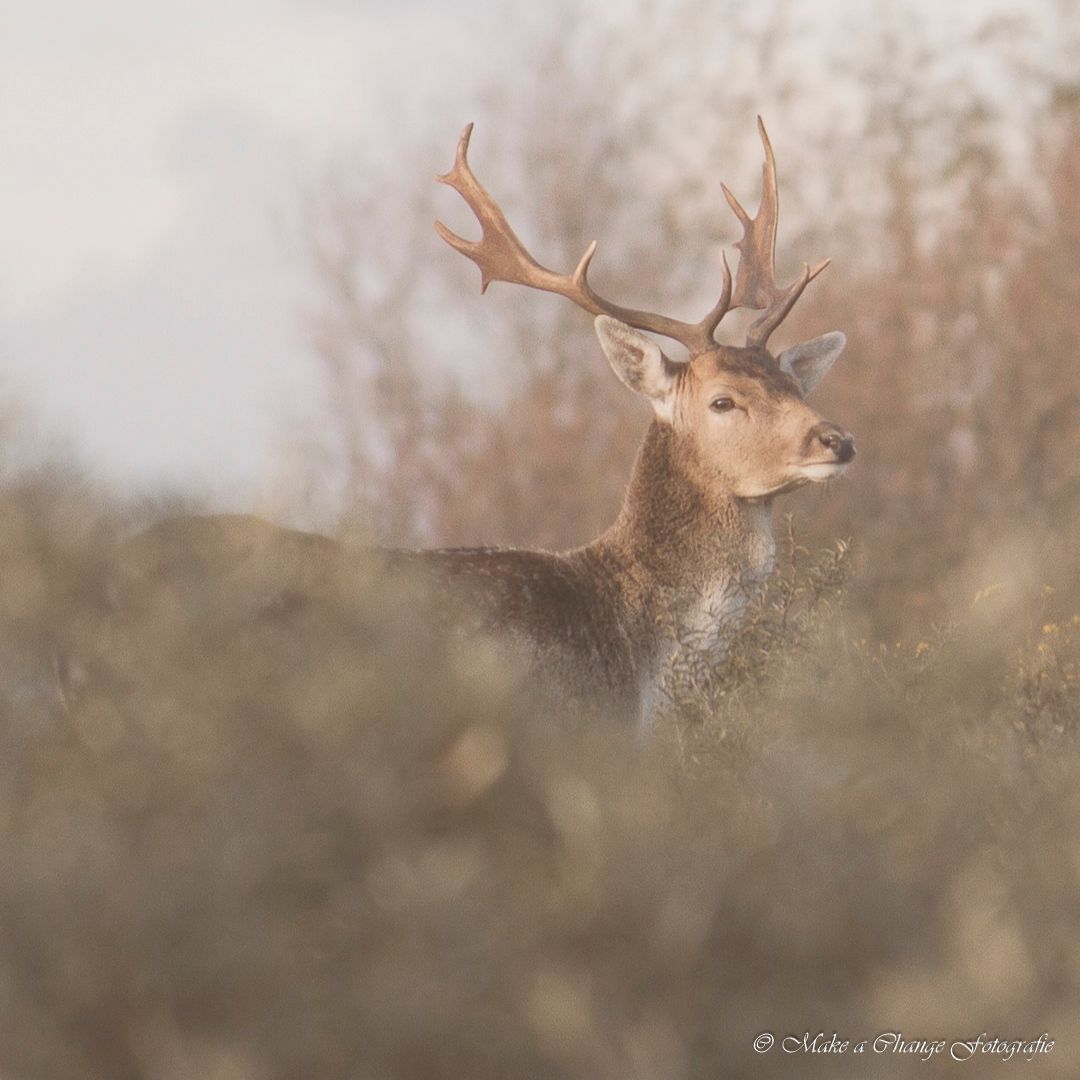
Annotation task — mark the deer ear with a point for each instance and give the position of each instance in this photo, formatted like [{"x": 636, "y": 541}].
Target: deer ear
[
  {"x": 808, "y": 363},
  {"x": 639, "y": 363}
]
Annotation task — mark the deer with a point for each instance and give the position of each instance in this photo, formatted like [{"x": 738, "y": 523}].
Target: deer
[
  {"x": 693, "y": 542},
  {"x": 730, "y": 431}
]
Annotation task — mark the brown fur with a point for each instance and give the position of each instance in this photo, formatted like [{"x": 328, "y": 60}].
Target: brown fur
[{"x": 596, "y": 624}]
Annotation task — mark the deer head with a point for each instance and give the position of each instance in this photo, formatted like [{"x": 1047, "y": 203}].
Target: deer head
[{"x": 738, "y": 413}]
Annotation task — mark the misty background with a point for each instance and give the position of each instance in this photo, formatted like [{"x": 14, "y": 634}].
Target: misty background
[
  {"x": 148, "y": 298},
  {"x": 153, "y": 289}
]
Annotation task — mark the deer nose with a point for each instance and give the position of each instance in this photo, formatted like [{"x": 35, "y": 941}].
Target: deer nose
[{"x": 841, "y": 443}]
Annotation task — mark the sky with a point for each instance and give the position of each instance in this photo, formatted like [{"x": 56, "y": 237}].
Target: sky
[
  {"x": 150, "y": 305},
  {"x": 149, "y": 311}
]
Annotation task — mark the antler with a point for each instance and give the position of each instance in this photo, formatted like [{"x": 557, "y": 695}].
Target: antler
[
  {"x": 755, "y": 281},
  {"x": 501, "y": 256}
]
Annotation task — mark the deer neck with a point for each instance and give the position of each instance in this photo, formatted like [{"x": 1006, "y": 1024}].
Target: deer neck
[{"x": 695, "y": 555}]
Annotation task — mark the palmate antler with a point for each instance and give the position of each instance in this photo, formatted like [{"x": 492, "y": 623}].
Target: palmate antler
[
  {"x": 755, "y": 282},
  {"x": 501, "y": 256}
]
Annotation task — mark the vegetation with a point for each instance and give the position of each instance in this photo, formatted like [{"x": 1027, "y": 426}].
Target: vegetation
[
  {"x": 262, "y": 822},
  {"x": 259, "y": 820}
]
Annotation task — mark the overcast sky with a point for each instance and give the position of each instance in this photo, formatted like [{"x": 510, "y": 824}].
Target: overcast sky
[
  {"x": 148, "y": 312},
  {"x": 148, "y": 316}
]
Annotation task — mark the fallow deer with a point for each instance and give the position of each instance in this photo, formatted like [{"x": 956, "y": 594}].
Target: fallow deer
[
  {"x": 693, "y": 541},
  {"x": 730, "y": 431}
]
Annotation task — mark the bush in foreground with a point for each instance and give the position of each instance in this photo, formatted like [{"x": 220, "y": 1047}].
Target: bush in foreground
[{"x": 258, "y": 820}]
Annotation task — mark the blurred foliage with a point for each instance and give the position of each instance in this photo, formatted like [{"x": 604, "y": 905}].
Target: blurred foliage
[{"x": 258, "y": 819}]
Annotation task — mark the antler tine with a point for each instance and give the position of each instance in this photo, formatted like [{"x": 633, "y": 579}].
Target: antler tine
[
  {"x": 783, "y": 302},
  {"x": 501, "y": 256},
  {"x": 711, "y": 321},
  {"x": 755, "y": 281}
]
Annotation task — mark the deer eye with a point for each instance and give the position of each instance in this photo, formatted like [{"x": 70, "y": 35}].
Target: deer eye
[{"x": 721, "y": 404}]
